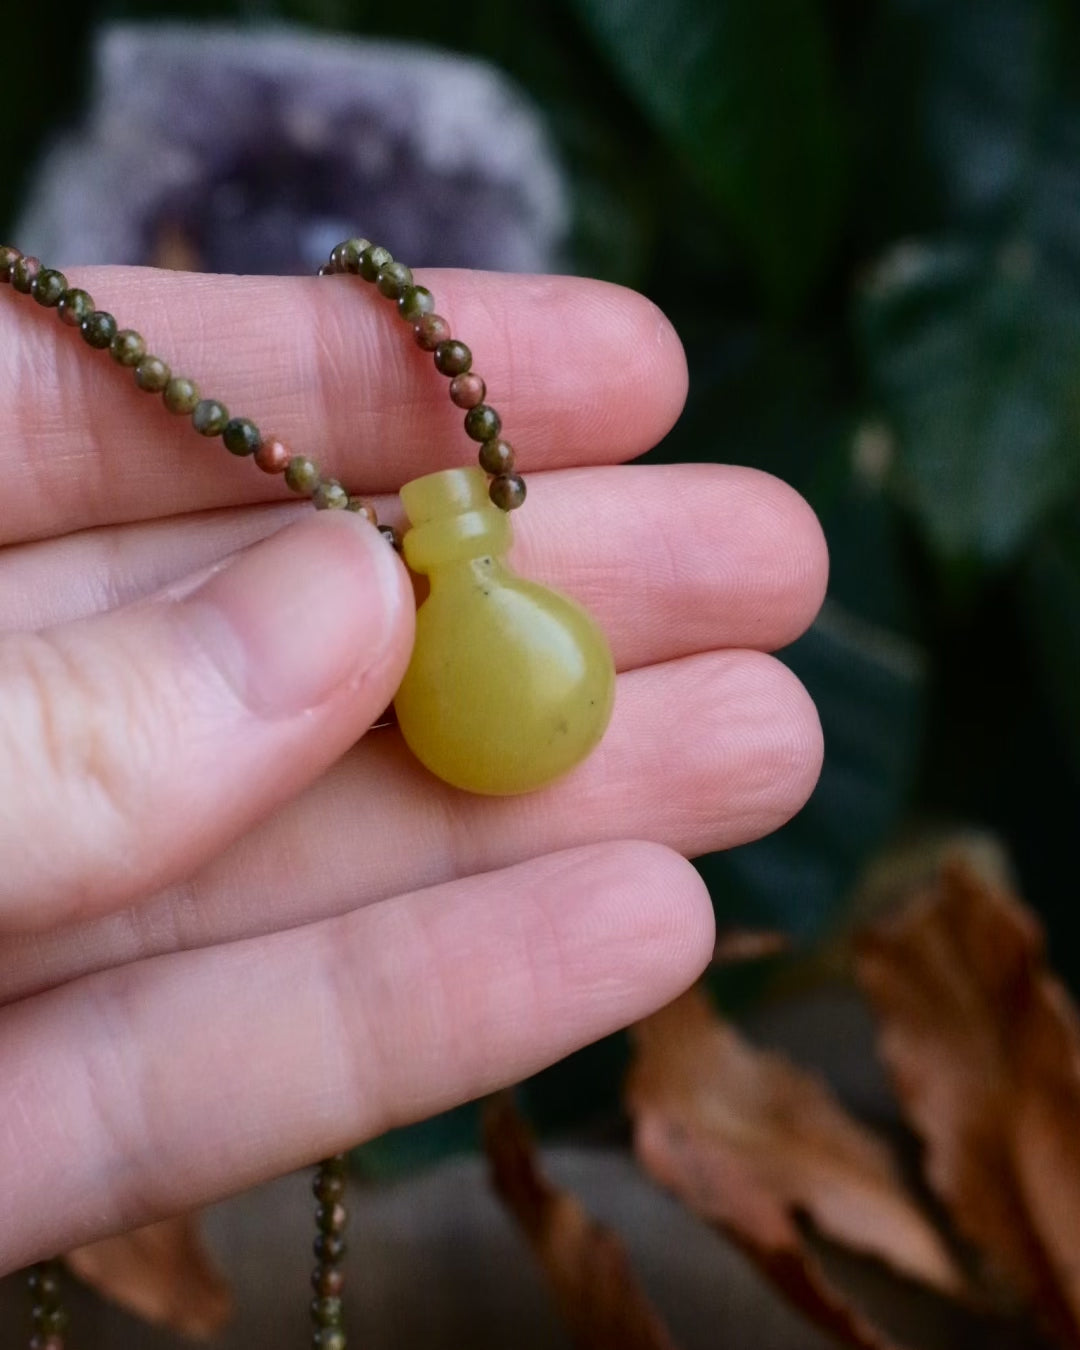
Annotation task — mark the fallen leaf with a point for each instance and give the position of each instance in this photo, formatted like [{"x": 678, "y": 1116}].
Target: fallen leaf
[
  {"x": 750, "y": 1143},
  {"x": 597, "y": 1294},
  {"x": 984, "y": 1048},
  {"x": 162, "y": 1273},
  {"x": 737, "y": 945}
]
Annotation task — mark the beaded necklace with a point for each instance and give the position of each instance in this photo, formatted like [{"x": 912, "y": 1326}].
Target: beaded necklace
[{"x": 556, "y": 672}]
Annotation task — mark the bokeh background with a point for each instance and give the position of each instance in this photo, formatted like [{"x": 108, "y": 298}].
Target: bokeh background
[{"x": 863, "y": 218}]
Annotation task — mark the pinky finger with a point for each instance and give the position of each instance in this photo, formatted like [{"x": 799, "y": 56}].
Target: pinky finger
[{"x": 158, "y": 1087}]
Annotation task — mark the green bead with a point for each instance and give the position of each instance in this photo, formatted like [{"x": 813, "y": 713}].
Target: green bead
[
  {"x": 209, "y": 417},
  {"x": 330, "y": 1248},
  {"x": 330, "y": 496},
  {"x": 48, "y": 287},
  {"x": 329, "y": 1338},
  {"x": 241, "y": 436},
  {"x": 392, "y": 279},
  {"x": 482, "y": 423},
  {"x": 9, "y": 256},
  {"x": 331, "y": 1218},
  {"x": 497, "y": 456},
  {"x": 372, "y": 259},
  {"x": 23, "y": 272},
  {"x": 51, "y": 1321},
  {"x": 352, "y": 251},
  {"x": 75, "y": 305},
  {"x": 452, "y": 357},
  {"x": 302, "y": 475},
  {"x": 507, "y": 491},
  {"x": 152, "y": 374},
  {"x": 414, "y": 302},
  {"x": 329, "y": 1187},
  {"x": 327, "y": 1312},
  {"x": 180, "y": 395},
  {"x": 98, "y": 328},
  {"x": 128, "y": 347}
]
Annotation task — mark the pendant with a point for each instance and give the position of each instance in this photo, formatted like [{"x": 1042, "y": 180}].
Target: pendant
[{"x": 511, "y": 684}]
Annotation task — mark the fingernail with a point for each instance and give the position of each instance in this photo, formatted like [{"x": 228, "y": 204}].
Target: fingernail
[{"x": 291, "y": 620}]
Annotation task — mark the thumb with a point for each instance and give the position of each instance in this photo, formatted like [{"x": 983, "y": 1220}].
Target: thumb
[{"x": 137, "y": 744}]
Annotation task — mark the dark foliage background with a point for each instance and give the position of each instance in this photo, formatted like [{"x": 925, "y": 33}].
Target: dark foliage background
[{"x": 864, "y": 219}]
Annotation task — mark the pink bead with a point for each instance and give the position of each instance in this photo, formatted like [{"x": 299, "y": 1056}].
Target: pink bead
[
  {"x": 273, "y": 455},
  {"x": 467, "y": 390}
]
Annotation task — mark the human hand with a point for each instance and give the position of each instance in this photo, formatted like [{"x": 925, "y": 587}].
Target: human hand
[{"x": 232, "y": 940}]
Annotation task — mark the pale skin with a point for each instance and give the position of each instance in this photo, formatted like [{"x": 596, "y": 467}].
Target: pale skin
[{"x": 236, "y": 932}]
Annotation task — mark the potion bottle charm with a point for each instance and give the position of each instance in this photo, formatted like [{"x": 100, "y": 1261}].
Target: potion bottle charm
[{"x": 510, "y": 683}]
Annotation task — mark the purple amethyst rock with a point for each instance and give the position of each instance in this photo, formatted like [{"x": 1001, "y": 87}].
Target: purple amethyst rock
[{"x": 257, "y": 151}]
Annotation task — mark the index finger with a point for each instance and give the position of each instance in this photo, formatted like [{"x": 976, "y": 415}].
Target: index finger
[{"x": 582, "y": 372}]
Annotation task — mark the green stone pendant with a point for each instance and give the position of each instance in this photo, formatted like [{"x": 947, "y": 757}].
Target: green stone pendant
[{"x": 510, "y": 684}]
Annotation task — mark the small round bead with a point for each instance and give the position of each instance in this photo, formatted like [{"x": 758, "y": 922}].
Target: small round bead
[
  {"x": 98, "y": 328},
  {"x": 507, "y": 491},
  {"x": 430, "y": 331},
  {"x": 327, "y": 1312},
  {"x": 351, "y": 253},
  {"x": 497, "y": 456},
  {"x": 482, "y": 423},
  {"x": 302, "y": 474},
  {"x": 209, "y": 417},
  {"x": 48, "y": 287},
  {"x": 325, "y": 271},
  {"x": 152, "y": 374},
  {"x": 273, "y": 455},
  {"x": 331, "y": 1187},
  {"x": 329, "y": 1338},
  {"x": 75, "y": 305},
  {"x": 362, "y": 507},
  {"x": 372, "y": 260},
  {"x": 23, "y": 272},
  {"x": 330, "y": 1248},
  {"x": 44, "y": 1282},
  {"x": 9, "y": 256},
  {"x": 241, "y": 436},
  {"x": 46, "y": 1341},
  {"x": 452, "y": 357},
  {"x": 391, "y": 536},
  {"x": 467, "y": 390},
  {"x": 331, "y": 1218},
  {"x": 337, "y": 258},
  {"x": 128, "y": 347},
  {"x": 392, "y": 279},
  {"x": 180, "y": 395},
  {"x": 328, "y": 1281},
  {"x": 330, "y": 496},
  {"x": 52, "y": 1321},
  {"x": 414, "y": 302}
]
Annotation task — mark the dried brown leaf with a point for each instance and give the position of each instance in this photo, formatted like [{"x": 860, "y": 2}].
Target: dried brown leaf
[
  {"x": 749, "y": 1142},
  {"x": 597, "y": 1294},
  {"x": 984, "y": 1048},
  {"x": 737, "y": 945},
  {"x": 162, "y": 1273}
]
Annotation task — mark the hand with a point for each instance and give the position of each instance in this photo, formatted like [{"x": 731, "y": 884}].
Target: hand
[{"x": 233, "y": 939}]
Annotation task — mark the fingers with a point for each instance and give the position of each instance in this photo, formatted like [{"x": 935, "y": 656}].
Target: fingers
[
  {"x": 702, "y": 754},
  {"x": 205, "y": 1072},
  {"x": 135, "y": 745},
  {"x": 581, "y": 372},
  {"x": 672, "y": 559}
]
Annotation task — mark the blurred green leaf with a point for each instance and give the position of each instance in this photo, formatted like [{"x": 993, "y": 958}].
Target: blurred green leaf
[
  {"x": 975, "y": 360},
  {"x": 1050, "y": 595},
  {"x": 744, "y": 93},
  {"x": 868, "y": 684}
]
